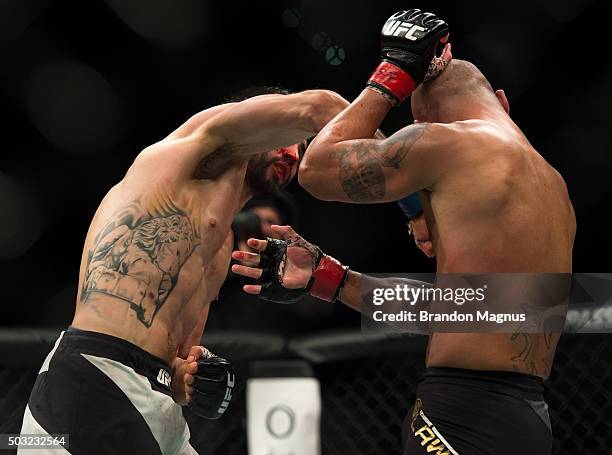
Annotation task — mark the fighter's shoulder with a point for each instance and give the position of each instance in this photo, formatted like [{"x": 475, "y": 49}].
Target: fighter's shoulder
[
  {"x": 174, "y": 157},
  {"x": 189, "y": 138},
  {"x": 198, "y": 121},
  {"x": 484, "y": 136},
  {"x": 475, "y": 129}
]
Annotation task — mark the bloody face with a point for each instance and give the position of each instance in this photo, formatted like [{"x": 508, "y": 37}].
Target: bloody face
[{"x": 270, "y": 171}]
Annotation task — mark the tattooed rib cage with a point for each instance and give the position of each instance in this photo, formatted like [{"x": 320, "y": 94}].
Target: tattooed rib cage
[{"x": 138, "y": 259}]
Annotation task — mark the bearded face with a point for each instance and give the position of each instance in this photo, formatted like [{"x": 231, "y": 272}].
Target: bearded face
[{"x": 268, "y": 172}]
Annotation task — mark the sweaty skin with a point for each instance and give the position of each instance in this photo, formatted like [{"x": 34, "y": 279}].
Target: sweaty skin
[
  {"x": 492, "y": 204},
  {"x": 159, "y": 246}
]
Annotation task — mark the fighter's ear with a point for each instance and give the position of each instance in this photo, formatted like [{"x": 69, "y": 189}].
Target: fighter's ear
[{"x": 501, "y": 96}]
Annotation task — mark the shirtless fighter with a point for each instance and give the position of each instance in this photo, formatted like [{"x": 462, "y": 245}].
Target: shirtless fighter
[
  {"x": 492, "y": 205},
  {"x": 157, "y": 251}
]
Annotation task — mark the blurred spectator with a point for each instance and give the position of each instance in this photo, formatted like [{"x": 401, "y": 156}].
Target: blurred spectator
[
  {"x": 236, "y": 310},
  {"x": 262, "y": 212}
]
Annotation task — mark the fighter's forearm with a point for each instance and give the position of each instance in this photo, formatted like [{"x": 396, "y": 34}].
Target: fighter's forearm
[
  {"x": 350, "y": 294},
  {"x": 273, "y": 121},
  {"x": 360, "y": 120},
  {"x": 328, "y": 106},
  {"x": 350, "y": 132},
  {"x": 195, "y": 337},
  {"x": 359, "y": 289}
]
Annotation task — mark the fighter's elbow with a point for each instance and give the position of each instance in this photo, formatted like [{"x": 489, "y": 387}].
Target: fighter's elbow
[
  {"x": 306, "y": 177},
  {"x": 324, "y": 105},
  {"x": 314, "y": 182}
]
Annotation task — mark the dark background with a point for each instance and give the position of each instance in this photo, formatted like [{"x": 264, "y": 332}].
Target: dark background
[{"x": 85, "y": 85}]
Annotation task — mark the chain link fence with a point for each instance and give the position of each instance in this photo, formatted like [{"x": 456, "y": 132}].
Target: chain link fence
[{"x": 367, "y": 387}]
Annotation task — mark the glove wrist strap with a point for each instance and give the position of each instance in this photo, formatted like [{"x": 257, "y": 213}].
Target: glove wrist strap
[
  {"x": 327, "y": 279},
  {"x": 392, "y": 80}
]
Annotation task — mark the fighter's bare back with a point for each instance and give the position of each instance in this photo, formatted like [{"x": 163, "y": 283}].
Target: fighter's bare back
[{"x": 504, "y": 210}]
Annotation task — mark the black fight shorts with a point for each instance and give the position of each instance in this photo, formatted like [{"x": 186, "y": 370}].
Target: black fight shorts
[
  {"x": 470, "y": 412},
  {"x": 108, "y": 395}
]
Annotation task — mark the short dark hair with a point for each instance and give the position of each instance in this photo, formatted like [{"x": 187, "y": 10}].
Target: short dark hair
[{"x": 257, "y": 90}]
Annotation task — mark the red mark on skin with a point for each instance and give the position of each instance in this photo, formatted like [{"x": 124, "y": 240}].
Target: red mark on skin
[
  {"x": 212, "y": 222},
  {"x": 151, "y": 295}
]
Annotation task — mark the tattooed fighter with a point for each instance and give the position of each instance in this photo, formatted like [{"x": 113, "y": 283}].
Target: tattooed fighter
[
  {"x": 492, "y": 205},
  {"x": 156, "y": 254}
]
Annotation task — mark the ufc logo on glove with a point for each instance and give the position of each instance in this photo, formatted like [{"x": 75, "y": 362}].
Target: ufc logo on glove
[{"x": 396, "y": 28}]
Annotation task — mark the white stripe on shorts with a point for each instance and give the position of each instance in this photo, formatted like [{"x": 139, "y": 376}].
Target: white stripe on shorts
[
  {"x": 163, "y": 416},
  {"x": 31, "y": 426}
]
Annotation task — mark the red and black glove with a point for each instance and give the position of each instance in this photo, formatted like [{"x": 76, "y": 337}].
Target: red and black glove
[
  {"x": 409, "y": 40},
  {"x": 328, "y": 274}
]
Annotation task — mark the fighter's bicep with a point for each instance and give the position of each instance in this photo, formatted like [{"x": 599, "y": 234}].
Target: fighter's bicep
[
  {"x": 197, "y": 121},
  {"x": 371, "y": 170},
  {"x": 178, "y": 156},
  {"x": 363, "y": 170},
  {"x": 265, "y": 122}
]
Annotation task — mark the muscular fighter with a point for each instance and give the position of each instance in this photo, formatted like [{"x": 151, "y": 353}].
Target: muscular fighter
[
  {"x": 156, "y": 253},
  {"x": 492, "y": 205}
]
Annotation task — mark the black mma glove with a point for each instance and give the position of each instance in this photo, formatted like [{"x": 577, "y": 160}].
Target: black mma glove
[
  {"x": 409, "y": 40},
  {"x": 213, "y": 384},
  {"x": 328, "y": 274}
]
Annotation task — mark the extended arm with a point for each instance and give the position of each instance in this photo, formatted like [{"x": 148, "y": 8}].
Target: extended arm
[
  {"x": 197, "y": 120},
  {"x": 341, "y": 165},
  {"x": 289, "y": 268},
  {"x": 358, "y": 293},
  {"x": 195, "y": 337},
  {"x": 236, "y": 130},
  {"x": 268, "y": 122}
]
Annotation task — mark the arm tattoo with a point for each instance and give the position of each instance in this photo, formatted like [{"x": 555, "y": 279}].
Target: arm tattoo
[
  {"x": 362, "y": 163},
  {"x": 137, "y": 257}
]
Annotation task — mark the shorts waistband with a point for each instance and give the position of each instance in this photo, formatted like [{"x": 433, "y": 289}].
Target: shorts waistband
[
  {"x": 142, "y": 362},
  {"x": 518, "y": 384}
]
